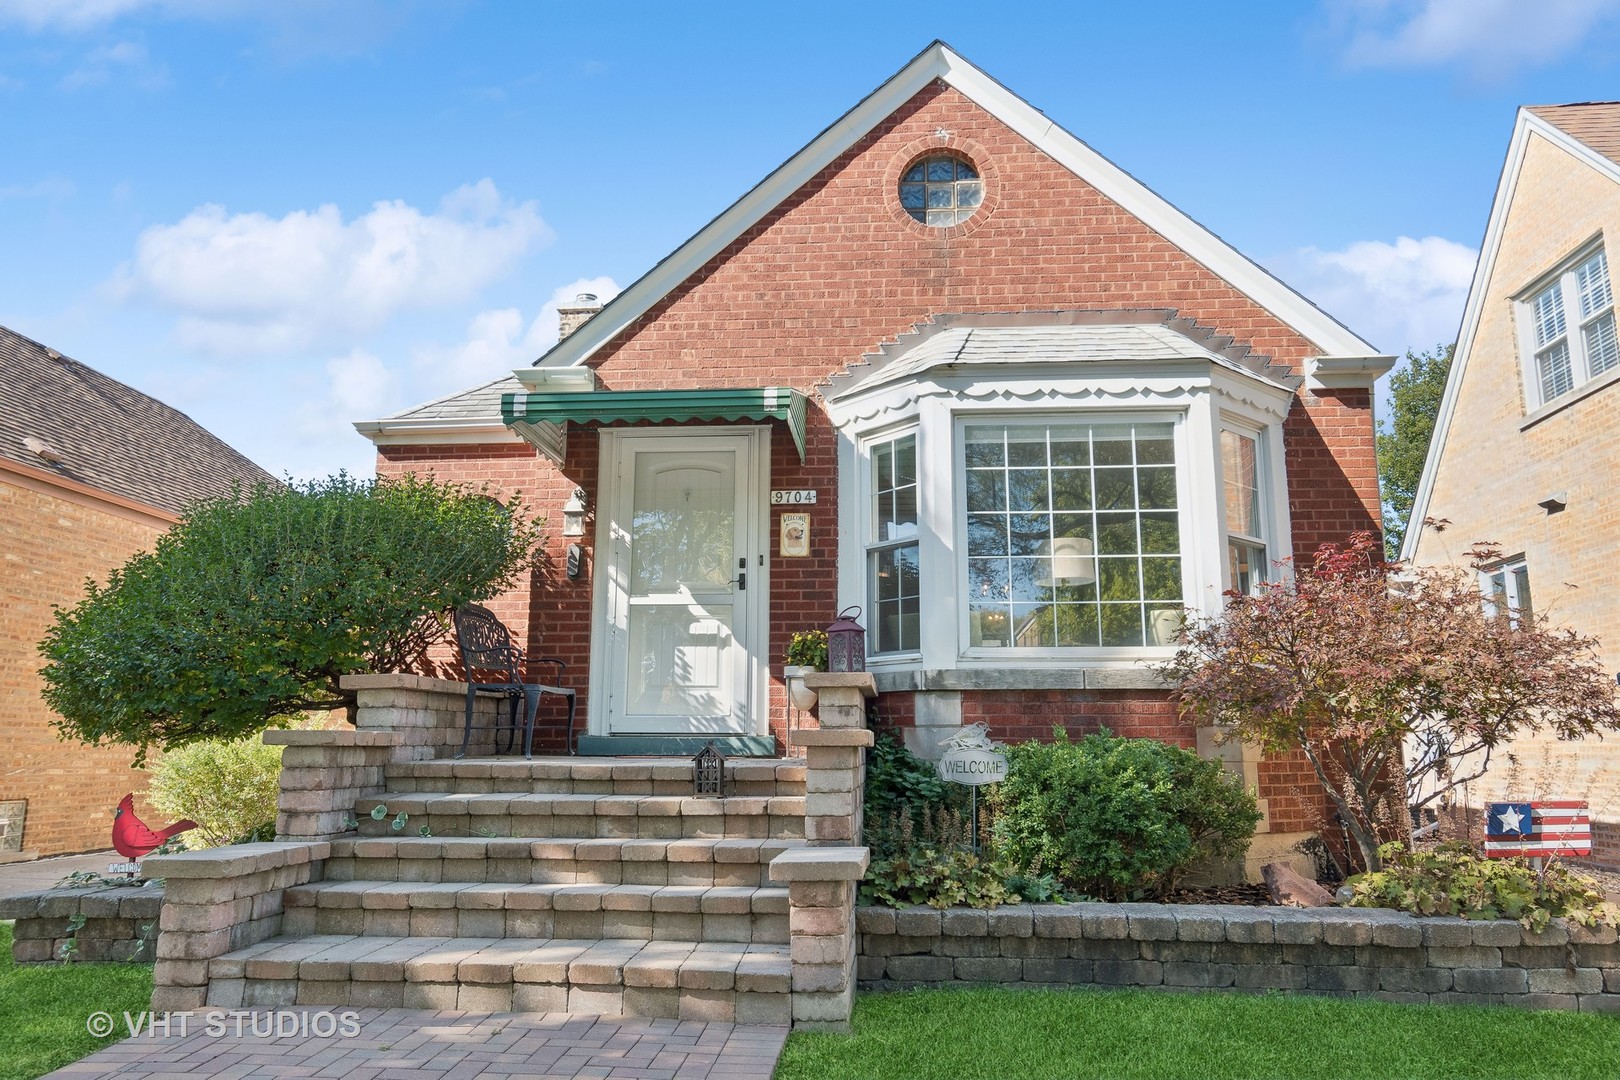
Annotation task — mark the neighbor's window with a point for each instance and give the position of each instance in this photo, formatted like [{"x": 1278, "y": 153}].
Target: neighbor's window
[
  {"x": 1073, "y": 535},
  {"x": 891, "y": 550},
  {"x": 1245, "y": 521},
  {"x": 1572, "y": 331},
  {"x": 1506, "y": 587},
  {"x": 941, "y": 190}
]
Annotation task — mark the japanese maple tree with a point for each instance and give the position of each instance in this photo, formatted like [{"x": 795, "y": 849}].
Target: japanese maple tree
[{"x": 1397, "y": 684}]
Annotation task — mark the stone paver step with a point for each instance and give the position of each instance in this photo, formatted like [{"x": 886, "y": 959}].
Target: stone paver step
[
  {"x": 518, "y": 814},
  {"x": 673, "y": 979},
  {"x": 557, "y": 860},
  {"x": 390, "y": 909},
  {"x": 587, "y": 776}
]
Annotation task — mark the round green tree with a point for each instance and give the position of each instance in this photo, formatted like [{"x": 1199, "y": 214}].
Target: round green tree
[{"x": 252, "y": 609}]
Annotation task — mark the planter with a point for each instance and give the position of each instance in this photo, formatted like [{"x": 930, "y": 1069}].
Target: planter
[{"x": 802, "y": 697}]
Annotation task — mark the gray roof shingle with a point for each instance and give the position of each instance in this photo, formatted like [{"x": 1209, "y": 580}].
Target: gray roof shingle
[
  {"x": 479, "y": 403},
  {"x": 107, "y": 435}
]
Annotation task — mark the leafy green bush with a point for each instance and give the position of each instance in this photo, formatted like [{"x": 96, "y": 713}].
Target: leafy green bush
[
  {"x": 1117, "y": 818},
  {"x": 931, "y": 861},
  {"x": 227, "y": 786},
  {"x": 898, "y": 780},
  {"x": 1453, "y": 879},
  {"x": 255, "y": 608}
]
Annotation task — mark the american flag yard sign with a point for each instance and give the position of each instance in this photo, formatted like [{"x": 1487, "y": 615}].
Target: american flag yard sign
[{"x": 1538, "y": 828}]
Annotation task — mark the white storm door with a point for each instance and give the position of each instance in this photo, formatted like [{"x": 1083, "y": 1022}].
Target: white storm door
[{"x": 680, "y": 622}]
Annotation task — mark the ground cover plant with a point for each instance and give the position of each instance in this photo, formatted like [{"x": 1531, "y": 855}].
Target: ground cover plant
[
  {"x": 1396, "y": 683},
  {"x": 1453, "y": 878},
  {"x": 253, "y": 609},
  {"x": 45, "y": 1008},
  {"x": 1143, "y": 1035}
]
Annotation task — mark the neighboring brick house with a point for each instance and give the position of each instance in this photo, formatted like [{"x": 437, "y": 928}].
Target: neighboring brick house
[
  {"x": 1526, "y": 448},
  {"x": 91, "y": 472},
  {"x": 1039, "y": 409}
]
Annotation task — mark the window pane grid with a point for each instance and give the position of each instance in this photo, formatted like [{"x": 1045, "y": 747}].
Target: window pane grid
[
  {"x": 894, "y": 587},
  {"x": 1554, "y": 371},
  {"x": 1602, "y": 349},
  {"x": 1549, "y": 315},
  {"x": 1073, "y": 535},
  {"x": 941, "y": 190},
  {"x": 1592, "y": 282}
]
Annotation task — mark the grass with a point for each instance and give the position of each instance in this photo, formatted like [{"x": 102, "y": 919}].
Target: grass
[
  {"x": 43, "y": 1009},
  {"x": 1128, "y": 1034}
]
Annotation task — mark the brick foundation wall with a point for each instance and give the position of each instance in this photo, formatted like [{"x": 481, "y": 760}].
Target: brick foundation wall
[{"x": 51, "y": 544}]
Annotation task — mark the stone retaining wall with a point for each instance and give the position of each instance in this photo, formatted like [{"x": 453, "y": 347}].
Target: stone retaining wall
[
  {"x": 118, "y": 924},
  {"x": 1354, "y": 953}
]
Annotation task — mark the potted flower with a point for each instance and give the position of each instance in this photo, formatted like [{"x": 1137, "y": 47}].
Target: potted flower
[{"x": 806, "y": 652}]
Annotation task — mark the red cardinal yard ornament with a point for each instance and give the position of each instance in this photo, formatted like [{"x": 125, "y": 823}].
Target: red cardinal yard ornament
[{"x": 132, "y": 838}]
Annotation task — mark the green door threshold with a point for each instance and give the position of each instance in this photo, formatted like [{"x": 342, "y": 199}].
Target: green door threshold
[{"x": 675, "y": 745}]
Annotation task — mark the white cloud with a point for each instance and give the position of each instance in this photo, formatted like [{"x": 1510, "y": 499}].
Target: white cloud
[
  {"x": 1405, "y": 295},
  {"x": 68, "y": 14},
  {"x": 499, "y": 340},
  {"x": 127, "y": 59},
  {"x": 346, "y": 388},
  {"x": 52, "y": 188},
  {"x": 252, "y": 283},
  {"x": 1488, "y": 37}
]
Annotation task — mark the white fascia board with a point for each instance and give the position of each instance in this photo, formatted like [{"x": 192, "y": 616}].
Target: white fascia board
[
  {"x": 1526, "y": 124},
  {"x": 938, "y": 61},
  {"x": 1346, "y": 372},
  {"x": 449, "y": 432}
]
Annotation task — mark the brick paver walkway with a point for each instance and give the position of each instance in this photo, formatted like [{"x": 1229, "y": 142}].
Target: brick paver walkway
[{"x": 406, "y": 1044}]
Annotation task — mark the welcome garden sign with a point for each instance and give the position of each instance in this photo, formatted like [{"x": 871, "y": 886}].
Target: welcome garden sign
[{"x": 970, "y": 758}]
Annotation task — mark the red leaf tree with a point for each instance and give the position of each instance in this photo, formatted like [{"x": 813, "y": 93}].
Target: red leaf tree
[{"x": 1398, "y": 685}]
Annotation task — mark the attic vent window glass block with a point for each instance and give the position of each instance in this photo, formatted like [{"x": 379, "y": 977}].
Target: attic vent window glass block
[
  {"x": 709, "y": 773},
  {"x": 941, "y": 190}
]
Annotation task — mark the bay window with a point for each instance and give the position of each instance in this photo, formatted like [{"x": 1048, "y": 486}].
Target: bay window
[
  {"x": 1073, "y": 534},
  {"x": 894, "y": 585},
  {"x": 1245, "y": 519}
]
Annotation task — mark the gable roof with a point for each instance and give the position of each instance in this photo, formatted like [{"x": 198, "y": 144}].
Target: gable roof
[
  {"x": 102, "y": 434},
  {"x": 1595, "y": 123},
  {"x": 1599, "y": 125},
  {"x": 939, "y": 61}
]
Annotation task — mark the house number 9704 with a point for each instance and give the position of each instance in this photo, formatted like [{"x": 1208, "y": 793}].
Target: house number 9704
[{"x": 793, "y": 498}]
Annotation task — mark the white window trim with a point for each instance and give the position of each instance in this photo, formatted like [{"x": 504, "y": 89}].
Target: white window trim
[
  {"x": 864, "y": 532},
  {"x": 1510, "y": 587},
  {"x": 1198, "y": 397},
  {"x": 1581, "y": 374}
]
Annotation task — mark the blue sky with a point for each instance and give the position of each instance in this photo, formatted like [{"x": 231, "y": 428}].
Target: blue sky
[{"x": 283, "y": 217}]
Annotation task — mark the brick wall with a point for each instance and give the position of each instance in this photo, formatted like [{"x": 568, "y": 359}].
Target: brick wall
[
  {"x": 835, "y": 271},
  {"x": 1493, "y": 473},
  {"x": 49, "y": 544}
]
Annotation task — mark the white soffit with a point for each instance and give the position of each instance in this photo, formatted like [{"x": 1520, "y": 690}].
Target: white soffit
[
  {"x": 939, "y": 61},
  {"x": 1526, "y": 125}
]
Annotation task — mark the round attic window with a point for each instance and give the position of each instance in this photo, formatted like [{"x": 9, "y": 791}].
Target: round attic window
[{"x": 941, "y": 190}]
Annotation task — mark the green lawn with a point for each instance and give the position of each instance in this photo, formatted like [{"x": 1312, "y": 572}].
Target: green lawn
[
  {"x": 43, "y": 1009},
  {"x": 1127, "y": 1034}
]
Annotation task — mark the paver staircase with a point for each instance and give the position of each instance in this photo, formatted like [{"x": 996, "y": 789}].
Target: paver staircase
[
  {"x": 547, "y": 886},
  {"x": 595, "y": 886}
]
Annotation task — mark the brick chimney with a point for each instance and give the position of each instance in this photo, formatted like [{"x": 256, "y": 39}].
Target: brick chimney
[{"x": 573, "y": 316}]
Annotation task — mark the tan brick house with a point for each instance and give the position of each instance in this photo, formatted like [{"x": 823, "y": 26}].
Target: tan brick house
[
  {"x": 1031, "y": 411},
  {"x": 91, "y": 472},
  {"x": 1526, "y": 450}
]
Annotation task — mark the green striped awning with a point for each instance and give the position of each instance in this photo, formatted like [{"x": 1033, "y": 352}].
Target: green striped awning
[{"x": 541, "y": 417}]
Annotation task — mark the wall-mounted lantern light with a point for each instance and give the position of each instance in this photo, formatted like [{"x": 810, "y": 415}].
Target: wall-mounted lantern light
[{"x": 574, "y": 514}]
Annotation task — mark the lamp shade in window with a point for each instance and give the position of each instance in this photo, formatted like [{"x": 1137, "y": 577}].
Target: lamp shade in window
[{"x": 1072, "y": 561}]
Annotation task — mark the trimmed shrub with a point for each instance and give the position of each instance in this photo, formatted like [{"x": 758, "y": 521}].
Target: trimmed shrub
[
  {"x": 1117, "y": 819},
  {"x": 227, "y": 786},
  {"x": 899, "y": 781},
  {"x": 1454, "y": 879}
]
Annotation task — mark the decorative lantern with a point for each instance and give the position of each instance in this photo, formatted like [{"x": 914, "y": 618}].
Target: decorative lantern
[
  {"x": 574, "y": 514},
  {"x": 846, "y": 642},
  {"x": 709, "y": 773}
]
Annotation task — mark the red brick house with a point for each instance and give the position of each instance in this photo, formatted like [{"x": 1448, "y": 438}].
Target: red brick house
[
  {"x": 91, "y": 472},
  {"x": 1031, "y": 410}
]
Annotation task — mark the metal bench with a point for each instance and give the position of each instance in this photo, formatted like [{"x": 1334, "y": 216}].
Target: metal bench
[{"x": 493, "y": 665}]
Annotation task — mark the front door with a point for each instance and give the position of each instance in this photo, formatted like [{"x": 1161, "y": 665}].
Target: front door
[{"x": 683, "y": 580}]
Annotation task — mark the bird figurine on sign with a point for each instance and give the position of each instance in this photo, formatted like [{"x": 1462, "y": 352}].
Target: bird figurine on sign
[{"x": 133, "y": 839}]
